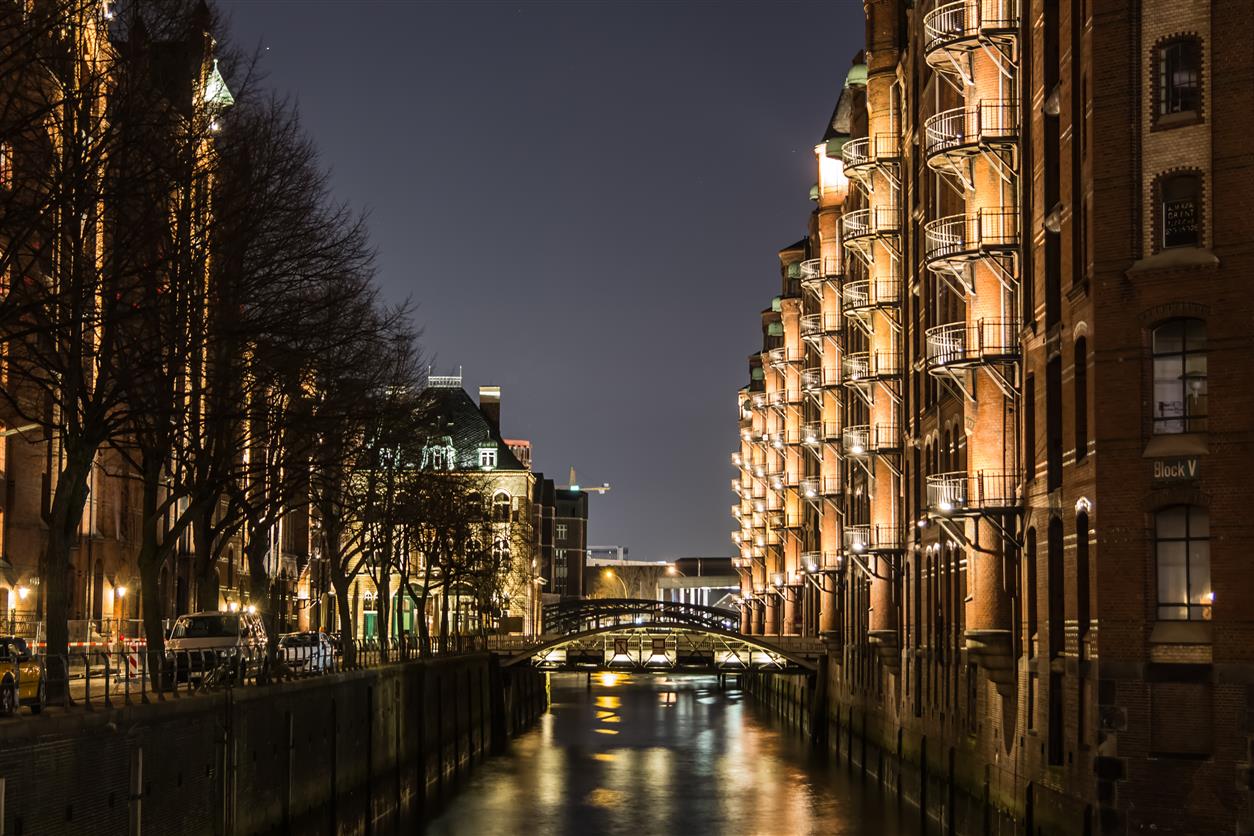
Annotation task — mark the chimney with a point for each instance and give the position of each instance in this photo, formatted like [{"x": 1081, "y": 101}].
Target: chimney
[{"x": 490, "y": 406}]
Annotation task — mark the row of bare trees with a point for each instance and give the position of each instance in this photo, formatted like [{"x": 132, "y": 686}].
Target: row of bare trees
[{"x": 184, "y": 292}]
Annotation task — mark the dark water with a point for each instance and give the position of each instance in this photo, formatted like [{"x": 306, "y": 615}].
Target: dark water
[{"x": 647, "y": 755}]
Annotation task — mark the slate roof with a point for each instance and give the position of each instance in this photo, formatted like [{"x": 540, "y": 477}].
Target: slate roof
[{"x": 447, "y": 411}]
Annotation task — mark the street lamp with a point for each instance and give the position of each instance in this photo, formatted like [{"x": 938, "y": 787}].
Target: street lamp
[{"x": 609, "y": 573}]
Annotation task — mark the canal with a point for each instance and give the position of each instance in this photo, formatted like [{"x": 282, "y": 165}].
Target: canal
[{"x": 647, "y": 755}]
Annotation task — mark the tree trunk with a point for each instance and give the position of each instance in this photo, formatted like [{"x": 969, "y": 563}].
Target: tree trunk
[
  {"x": 64, "y": 518},
  {"x": 151, "y": 556},
  {"x": 204, "y": 561},
  {"x": 339, "y": 580}
]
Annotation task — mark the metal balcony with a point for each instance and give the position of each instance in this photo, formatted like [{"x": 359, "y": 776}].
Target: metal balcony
[
  {"x": 832, "y": 486},
  {"x": 816, "y": 271},
  {"x": 735, "y": 486},
  {"x": 862, "y": 296},
  {"x": 812, "y": 379},
  {"x": 831, "y": 431},
  {"x": 952, "y": 242},
  {"x": 863, "y": 225},
  {"x": 812, "y": 433},
  {"x": 952, "y": 137},
  {"x": 816, "y": 562},
  {"x": 985, "y": 491},
  {"x": 856, "y": 440},
  {"x": 810, "y": 487},
  {"x": 869, "y": 366},
  {"x": 869, "y": 539},
  {"x": 954, "y": 29},
  {"x": 857, "y": 157},
  {"x": 885, "y": 438},
  {"x": 815, "y": 326},
  {"x": 960, "y": 345}
]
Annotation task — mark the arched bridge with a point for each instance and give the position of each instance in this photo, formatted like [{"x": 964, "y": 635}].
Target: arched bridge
[{"x": 644, "y": 635}]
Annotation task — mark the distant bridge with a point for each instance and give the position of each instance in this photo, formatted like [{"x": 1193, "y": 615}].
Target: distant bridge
[{"x": 645, "y": 635}]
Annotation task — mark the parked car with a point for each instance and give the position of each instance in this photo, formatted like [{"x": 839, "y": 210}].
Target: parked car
[
  {"x": 200, "y": 641},
  {"x": 308, "y": 652},
  {"x": 21, "y": 678}
]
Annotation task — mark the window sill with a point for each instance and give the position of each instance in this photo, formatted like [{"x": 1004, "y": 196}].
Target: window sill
[
  {"x": 1177, "y": 120},
  {"x": 1175, "y": 258}
]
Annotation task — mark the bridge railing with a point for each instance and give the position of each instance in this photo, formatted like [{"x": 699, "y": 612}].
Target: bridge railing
[{"x": 575, "y": 616}]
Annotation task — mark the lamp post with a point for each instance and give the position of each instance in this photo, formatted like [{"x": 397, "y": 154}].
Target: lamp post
[{"x": 610, "y": 573}]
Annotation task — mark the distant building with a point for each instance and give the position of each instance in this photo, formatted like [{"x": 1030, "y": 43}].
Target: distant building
[
  {"x": 561, "y": 520},
  {"x": 708, "y": 581}
]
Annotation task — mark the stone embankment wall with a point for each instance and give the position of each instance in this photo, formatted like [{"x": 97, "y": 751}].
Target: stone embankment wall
[
  {"x": 947, "y": 785},
  {"x": 362, "y": 752}
]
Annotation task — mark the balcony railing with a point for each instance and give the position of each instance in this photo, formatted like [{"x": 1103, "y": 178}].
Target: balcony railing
[
  {"x": 869, "y": 366},
  {"x": 833, "y": 486},
  {"x": 856, "y": 155},
  {"x": 964, "y": 130},
  {"x": 815, "y": 325},
  {"x": 812, "y": 433},
  {"x": 861, "y": 539},
  {"x": 985, "y": 490},
  {"x": 957, "y": 239},
  {"x": 831, "y": 431},
  {"x": 735, "y": 486},
  {"x": 959, "y": 26},
  {"x": 856, "y": 440},
  {"x": 961, "y": 344},
  {"x": 815, "y": 271},
  {"x": 885, "y": 438},
  {"x": 863, "y": 295},
  {"x": 810, "y": 487},
  {"x": 812, "y": 379},
  {"x": 870, "y": 223}
]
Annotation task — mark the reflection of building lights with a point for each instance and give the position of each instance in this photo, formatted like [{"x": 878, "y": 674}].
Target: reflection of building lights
[{"x": 608, "y": 679}]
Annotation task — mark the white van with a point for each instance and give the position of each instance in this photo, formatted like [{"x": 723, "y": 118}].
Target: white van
[{"x": 196, "y": 638}]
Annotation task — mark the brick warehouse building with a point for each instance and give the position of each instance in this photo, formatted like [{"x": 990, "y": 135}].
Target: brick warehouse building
[{"x": 978, "y": 450}]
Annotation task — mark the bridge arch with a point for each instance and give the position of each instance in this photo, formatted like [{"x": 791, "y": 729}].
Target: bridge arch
[{"x": 661, "y": 646}]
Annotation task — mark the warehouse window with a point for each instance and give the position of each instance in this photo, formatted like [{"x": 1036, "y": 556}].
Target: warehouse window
[
  {"x": 1179, "y": 355},
  {"x": 1182, "y": 554}
]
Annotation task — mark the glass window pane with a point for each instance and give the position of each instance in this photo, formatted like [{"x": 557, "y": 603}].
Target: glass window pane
[
  {"x": 1199, "y": 573},
  {"x": 1173, "y": 613},
  {"x": 1169, "y": 337},
  {"x": 1172, "y": 579},
  {"x": 1169, "y": 522}
]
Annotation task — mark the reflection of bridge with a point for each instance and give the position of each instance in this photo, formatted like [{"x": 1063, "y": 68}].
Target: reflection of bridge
[{"x": 630, "y": 634}]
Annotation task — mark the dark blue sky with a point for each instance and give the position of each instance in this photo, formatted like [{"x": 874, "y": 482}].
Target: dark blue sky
[{"x": 585, "y": 199}]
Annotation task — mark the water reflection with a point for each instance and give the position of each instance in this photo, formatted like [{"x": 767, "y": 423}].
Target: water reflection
[{"x": 650, "y": 755}]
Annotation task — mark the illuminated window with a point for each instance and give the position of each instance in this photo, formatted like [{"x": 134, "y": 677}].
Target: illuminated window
[
  {"x": 1179, "y": 354},
  {"x": 1182, "y": 553},
  {"x": 487, "y": 458},
  {"x": 561, "y": 531},
  {"x": 6, "y": 165}
]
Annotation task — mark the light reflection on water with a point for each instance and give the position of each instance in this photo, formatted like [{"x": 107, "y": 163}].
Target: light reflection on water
[{"x": 646, "y": 755}]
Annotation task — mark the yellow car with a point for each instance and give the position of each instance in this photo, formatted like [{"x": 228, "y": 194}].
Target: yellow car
[{"x": 21, "y": 678}]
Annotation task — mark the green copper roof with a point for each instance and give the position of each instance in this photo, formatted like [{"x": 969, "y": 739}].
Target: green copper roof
[
  {"x": 775, "y": 329},
  {"x": 216, "y": 93},
  {"x": 814, "y": 192},
  {"x": 856, "y": 76},
  {"x": 777, "y": 304}
]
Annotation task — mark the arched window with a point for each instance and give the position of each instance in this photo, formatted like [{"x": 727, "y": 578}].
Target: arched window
[
  {"x": 1179, "y": 354},
  {"x": 1182, "y": 555},
  {"x": 500, "y": 507},
  {"x": 1180, "y": 210},
  {"x": 1178, "y": 78}
]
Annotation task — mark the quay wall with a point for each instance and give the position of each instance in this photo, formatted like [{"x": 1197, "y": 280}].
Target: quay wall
[{"x": 361, "y": 752}]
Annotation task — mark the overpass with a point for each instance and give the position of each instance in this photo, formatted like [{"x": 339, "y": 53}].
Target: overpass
[{"x": 627, "y": 634}]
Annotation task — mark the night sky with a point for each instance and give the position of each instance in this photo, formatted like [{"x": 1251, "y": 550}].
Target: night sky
[{"x": 585, "y": 201}]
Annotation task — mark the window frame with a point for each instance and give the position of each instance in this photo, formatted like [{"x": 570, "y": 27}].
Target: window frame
[
  {"x": 1188, "y": 422},
  {"x": 1204, "y": 611},
  {"x": 1169, "y": 110}
]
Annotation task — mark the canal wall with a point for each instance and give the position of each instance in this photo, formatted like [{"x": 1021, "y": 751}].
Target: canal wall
[
  {"x": 361, "y": 752},
  {"x": 944, "y": 779}
]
